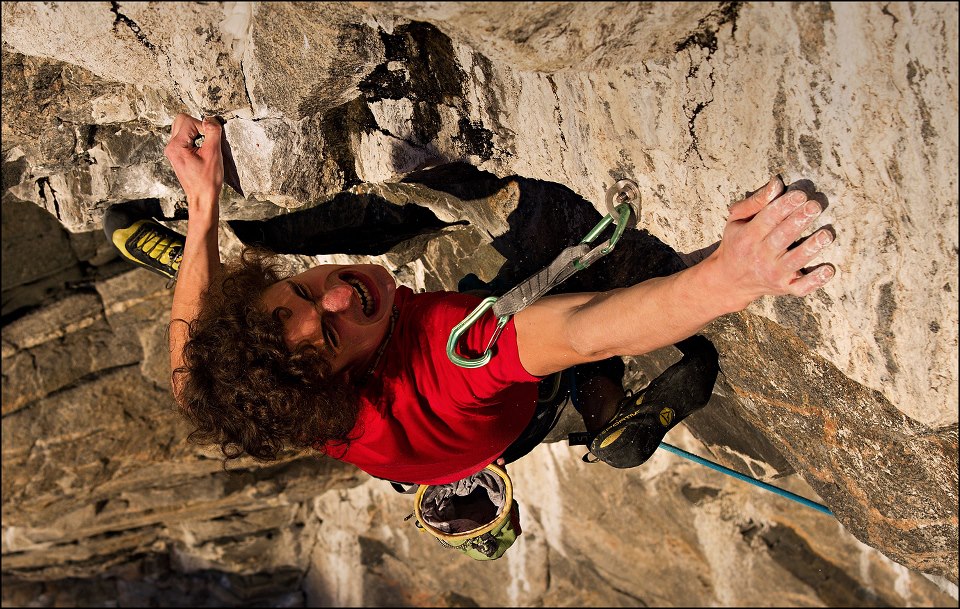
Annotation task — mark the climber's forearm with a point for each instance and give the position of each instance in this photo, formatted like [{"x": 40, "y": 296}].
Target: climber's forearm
[
  {"x": 561, "y": 331},
  {"x": 649, "y": 315},
  {"x": 653, "y": 314},
  {"x": 201, "y": 260},
  {"x": 199, "y": 168},
  {"x": 199, "y": 267}
]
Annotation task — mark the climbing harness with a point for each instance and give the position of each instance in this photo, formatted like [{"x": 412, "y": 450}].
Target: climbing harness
[{"x": 623, "y": 200}]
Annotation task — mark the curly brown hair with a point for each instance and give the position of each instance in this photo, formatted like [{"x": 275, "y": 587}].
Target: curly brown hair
[{"x": 242, "y": 387}]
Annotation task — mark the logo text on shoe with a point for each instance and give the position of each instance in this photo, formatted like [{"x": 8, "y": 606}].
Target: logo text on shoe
[
  {"x": 611, "y": 438},
  {"x": 666, "y": 416}
]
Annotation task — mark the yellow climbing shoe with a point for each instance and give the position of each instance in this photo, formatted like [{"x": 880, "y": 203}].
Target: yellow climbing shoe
[
  {"x": 144, "y": 241},
  {"x": 642, "y": 420}
]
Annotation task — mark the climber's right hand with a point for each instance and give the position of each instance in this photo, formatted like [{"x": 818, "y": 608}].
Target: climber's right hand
[{"x": 762, "y": 252}]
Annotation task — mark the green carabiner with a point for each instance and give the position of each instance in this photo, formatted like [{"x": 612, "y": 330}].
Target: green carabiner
[
  {"x": 464, "y": 325},
  {"x": 624, "y": 210}
]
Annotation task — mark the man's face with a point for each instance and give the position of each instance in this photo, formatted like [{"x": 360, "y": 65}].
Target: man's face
[{"x": 342, "y": 310}]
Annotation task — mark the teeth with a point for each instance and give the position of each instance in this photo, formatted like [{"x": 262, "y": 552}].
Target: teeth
[{"x": 366, "y": 302}]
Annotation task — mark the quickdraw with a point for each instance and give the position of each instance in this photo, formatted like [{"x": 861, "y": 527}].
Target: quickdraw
[{"x": 623, "y": 199}]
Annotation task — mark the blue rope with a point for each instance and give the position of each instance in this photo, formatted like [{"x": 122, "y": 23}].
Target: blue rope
[
  {"x": 574, "y": 395},
  {"x": 730, "y": 472}
]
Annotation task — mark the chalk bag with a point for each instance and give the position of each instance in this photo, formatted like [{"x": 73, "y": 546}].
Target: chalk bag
[{"x": 476, "y": 515}]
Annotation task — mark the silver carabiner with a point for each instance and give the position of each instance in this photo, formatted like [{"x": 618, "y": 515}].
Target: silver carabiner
[{"x": 463, "y": 326}]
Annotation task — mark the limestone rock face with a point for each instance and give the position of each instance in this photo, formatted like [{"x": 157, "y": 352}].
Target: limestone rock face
[{"x": 441, "y": 139}]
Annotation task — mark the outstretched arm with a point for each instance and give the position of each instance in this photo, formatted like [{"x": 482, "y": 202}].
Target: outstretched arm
[
  {"x": 754, "y": 259},
  {"x": 200, "y": 172}
]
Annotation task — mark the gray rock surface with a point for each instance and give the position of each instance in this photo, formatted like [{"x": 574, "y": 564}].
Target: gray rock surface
[{"x": 441, "y": 139}]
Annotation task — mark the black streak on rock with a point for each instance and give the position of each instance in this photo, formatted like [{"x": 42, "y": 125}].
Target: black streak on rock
[
  {"x": 884, "y": 332},
  {"x": 130, "y": 23},
  {"x": 337, "y": 127},
  {"x": 420, "y": 65},
  {"x": 475, "y": 139},
  {"x": 705, "y": 36},
  {"x": 44, "y": 184}
]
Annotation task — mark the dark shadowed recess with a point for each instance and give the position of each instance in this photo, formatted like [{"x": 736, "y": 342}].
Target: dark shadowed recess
[
  {"x": 348, "y": 224},
  {"x": 549, "y": 217}
]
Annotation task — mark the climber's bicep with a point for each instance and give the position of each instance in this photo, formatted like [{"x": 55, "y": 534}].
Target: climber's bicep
[{"x": 549, "y": 339}]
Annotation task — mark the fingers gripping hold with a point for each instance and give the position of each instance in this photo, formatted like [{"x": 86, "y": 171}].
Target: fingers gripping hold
[
  {"x": 211, "y": 130},
  {"x": 762, "y": 252},
  {"x": 808, "y": 249},
  {"x": 199, "y": 170},
  {"x": 750, "y": 206},
  {"x": 774, "y": 217},
  {"x": 800, "y": 214},
  {"x": 809, "y": 282},
  {"x": 184, "y": 130},
  {"x": 806, "y": 279},
  {"x": 187, "y": 134}
]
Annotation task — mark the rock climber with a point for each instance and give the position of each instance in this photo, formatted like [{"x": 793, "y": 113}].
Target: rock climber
[{"x": 343, "y": 360}]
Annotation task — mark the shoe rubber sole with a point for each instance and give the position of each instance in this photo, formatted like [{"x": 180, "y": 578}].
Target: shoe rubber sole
[
  {"x": 641, "y": 421},
  {"x": 144, "y": 242}
]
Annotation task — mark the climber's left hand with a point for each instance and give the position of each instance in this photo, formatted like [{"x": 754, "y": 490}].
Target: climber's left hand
[{"x": 199, "y": 169}]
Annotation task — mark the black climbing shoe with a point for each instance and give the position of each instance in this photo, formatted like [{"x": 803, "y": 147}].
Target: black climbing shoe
[
  {"x": 642, "y": 420},
  {"x": 144, "y": 241}
]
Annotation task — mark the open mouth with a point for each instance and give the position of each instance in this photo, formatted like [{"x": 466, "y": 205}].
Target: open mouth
[{"x": 365, "y": 291}]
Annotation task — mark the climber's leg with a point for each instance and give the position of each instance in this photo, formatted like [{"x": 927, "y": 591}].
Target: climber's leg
[{"x": 641, "y": 421}]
